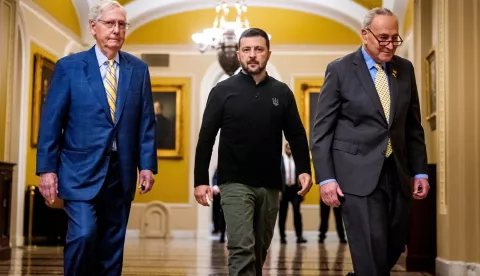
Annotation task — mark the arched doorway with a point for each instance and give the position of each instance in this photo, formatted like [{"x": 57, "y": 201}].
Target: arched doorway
[{"x": 19, "y": 129}]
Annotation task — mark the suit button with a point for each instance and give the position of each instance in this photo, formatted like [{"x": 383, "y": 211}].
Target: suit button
[{"x": 384, "y": 152}]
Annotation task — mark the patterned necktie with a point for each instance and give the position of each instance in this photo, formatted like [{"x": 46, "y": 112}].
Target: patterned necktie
[
  {"x": 381, "y": 84},
  {"x": 111, "y": 87}
]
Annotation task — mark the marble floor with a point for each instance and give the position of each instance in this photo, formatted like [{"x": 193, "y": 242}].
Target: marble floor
[{"x": 199, "y": 257}]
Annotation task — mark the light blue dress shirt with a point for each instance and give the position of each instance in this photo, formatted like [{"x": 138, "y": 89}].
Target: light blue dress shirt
[
  {"x": 373, "y": 73},
  {"x": 103, "y": 64}
]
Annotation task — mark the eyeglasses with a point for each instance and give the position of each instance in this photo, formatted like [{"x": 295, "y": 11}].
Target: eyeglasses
[
  {"x": 111, "y": 24},
  {"x": 382, "y": 42}
]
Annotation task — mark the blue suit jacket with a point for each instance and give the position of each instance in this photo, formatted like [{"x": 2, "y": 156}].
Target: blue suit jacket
[{"x": 76, "y": 130}]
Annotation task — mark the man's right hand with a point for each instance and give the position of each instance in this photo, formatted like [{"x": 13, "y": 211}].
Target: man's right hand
[
  {"x": 49, "y": 186},
  {"x": 201, "y": 192},
  {"x": 329, "y": 193}
]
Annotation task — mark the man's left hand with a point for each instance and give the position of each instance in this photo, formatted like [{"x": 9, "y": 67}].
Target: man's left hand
[
  {"x": 145, "y": 181},
  {"x": 420, "y": 188},
  {"x": 306, "y": 183}
]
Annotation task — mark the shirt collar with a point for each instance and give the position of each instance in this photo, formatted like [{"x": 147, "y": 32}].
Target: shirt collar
[
  {"x": 369, "y": 61},
  {"x": 245, "y": 75},
  {"x": 101, "y": 58}
]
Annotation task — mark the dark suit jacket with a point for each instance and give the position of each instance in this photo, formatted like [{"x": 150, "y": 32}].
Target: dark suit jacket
[
  {"x": 350, "y": 134},
  {"x": 76, "y": 128}
]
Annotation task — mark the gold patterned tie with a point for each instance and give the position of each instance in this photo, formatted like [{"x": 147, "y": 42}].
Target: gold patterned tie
[
  {"x": 111, "y": 87},
  {"x": 381, "y": 84}
]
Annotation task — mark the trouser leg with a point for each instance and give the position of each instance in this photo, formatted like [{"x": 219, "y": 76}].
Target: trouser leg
[
  {"x": 113, "y": 212},
  {"x": 297, "y": 216},
  {"x": 377, "y": 225},
  {"x": 238, "y": 205},
  {"x": 282, "y": 215},
  {"x": 339, "y": 222},
  {"x": 265, "y": 218},
  {"x": 324, "y": 216}
]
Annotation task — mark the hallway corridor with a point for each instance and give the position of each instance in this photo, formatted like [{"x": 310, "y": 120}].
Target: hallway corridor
[{"x": 192, "y": 257}]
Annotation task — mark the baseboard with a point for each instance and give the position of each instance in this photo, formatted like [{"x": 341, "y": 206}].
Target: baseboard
[
  {"x": 17, "y": 241},
  {"x": 176, "y": 234},
  {"x": 182, "y": 234},
  {"x": 453, "y": 268}
]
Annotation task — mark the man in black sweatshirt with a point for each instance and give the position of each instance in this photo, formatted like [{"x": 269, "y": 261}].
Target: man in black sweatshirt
[{"x": 251, "y": 109}]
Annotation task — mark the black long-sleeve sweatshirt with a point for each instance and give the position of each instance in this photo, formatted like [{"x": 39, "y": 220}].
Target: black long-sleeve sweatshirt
[{"x": 251, "y": 118}]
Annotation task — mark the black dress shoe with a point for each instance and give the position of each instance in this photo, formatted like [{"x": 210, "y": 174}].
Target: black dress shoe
[
  {"x": 350, "y": 274},
  {"x": 301, "y": 240}
]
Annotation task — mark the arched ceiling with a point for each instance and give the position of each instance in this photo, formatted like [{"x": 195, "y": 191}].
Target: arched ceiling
[
  {"x": 63, "y": 11},
  {"x": 349, "y": 13},
  {"x": 369, "y": 4},
  {"x": 299, "y": 28}
]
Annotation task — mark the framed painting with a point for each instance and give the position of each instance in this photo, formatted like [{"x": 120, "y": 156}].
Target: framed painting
[
  {"x": 167, "y": 103},
  {"x": 42, "y": 74},
  {"x": 431, "y": 88}
]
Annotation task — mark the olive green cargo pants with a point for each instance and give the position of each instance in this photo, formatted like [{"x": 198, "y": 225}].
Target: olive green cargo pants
[{"x": 250, "y": 215}]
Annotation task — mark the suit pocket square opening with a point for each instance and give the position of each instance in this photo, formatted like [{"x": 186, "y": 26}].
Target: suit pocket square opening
[{"x": 348, "y": 147}]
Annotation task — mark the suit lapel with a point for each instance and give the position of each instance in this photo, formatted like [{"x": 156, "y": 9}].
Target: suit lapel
[
  {"x": 123, "y": 85},
  {"x": 392, "y": 76},
  {"x": 365, "y": 79},
  {"x": 95, "y": 80}
]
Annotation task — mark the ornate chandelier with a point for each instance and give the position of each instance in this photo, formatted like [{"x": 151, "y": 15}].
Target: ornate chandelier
[
  {"x": 213, "y": 38},
  {"x": 223, "y": 36}
]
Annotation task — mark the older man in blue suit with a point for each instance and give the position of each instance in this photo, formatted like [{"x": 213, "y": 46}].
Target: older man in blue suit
[{"x": 97, "y": 129}]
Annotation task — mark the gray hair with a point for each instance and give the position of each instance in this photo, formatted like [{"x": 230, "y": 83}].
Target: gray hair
[
  {"x": 367, "y": 20},
  {"x": 97, "y": 10}
]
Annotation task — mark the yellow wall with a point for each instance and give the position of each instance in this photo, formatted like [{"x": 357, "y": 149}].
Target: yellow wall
[
  {"x": 408, "y": 20},
  {"x": 63, "y": 11},
  {"x": 370, "y": 4},
  {"x": 124, "y": 2},
  {"x": 3, "y": 110},
  {"x": 313, "y": 197},
  {"x": 171, "y": 182},
  {"x": 32, "y": 152},
  {"x": 299, "y": 28},
  {"x": 7, "y": 38}
]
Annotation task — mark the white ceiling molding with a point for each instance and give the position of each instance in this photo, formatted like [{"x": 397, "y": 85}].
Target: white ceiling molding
[
  {"x": 140, "y": 12},
  {"x": 346, "y": 12},
  {"x": 50, "y": 20},
  {"x": 83, "y": 9},
  {"x": 389, "y": 4},
  {"x": 277, "y": 50},
  {"x": 400, "y": 9}
]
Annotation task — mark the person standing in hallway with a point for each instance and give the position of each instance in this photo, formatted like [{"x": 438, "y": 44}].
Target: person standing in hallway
[
  {"x": 368, "y": 143},
  {"x": 219, "y": 218},
  {"x": 325, "y": 216},
  {"x": 290, "y": 188},
  {"x": 252, "y": 109},
  {"x": 97, "y": 130}
]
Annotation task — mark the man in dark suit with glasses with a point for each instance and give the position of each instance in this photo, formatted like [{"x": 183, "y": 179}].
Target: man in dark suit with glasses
[{"x": 368, "y": 143}]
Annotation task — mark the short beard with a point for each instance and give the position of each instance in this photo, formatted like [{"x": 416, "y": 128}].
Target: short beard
[{"x": 258, "y": 71}]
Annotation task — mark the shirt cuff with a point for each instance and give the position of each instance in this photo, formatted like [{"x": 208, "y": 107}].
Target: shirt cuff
[
  {"x": 421, "y": 176},
  {"x": 327, "y": 181}
]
